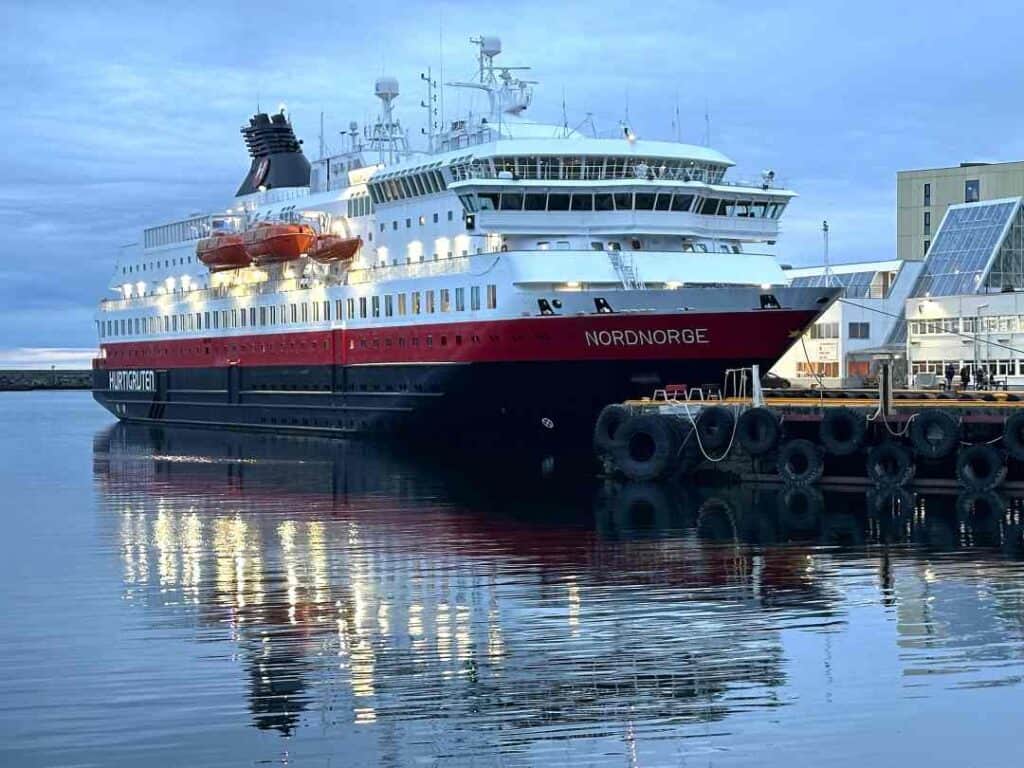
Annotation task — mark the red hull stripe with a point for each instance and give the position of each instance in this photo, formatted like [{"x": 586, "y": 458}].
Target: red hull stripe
[{"x": 758, "y": 335}]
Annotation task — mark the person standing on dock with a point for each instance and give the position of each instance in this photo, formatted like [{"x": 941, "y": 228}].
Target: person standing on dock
[
  {"x": 965, "y": 377},
  {"x": 979, "y": 378},
  {"x": 950, "y": 373}
]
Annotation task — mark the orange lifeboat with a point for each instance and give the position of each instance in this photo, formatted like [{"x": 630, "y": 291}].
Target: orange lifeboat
[
  {"x": 268, "y": 243},
  {"x": 330, "y": 248},
  {"x": 222, "y": 250}
]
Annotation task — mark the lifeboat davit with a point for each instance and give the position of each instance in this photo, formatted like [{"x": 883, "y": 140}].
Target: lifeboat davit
[
  {"x": 331, "y": 248},
  {"x": 222, "y": 250},
  {"x": 268, "y": 243}
]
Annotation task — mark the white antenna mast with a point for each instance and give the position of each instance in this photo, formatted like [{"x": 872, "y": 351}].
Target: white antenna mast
[{"x": 829, "y": 277}]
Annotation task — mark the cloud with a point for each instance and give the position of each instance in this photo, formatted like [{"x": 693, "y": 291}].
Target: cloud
[
  {"x": 125, "y": 114},
  {"x": 44, "y": 358}
]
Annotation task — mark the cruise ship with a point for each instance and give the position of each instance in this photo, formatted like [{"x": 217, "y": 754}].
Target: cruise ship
[{"x": 506, "y": 281}]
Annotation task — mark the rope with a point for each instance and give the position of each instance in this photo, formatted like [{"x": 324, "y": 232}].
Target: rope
[{"x": 696, "y": 433}]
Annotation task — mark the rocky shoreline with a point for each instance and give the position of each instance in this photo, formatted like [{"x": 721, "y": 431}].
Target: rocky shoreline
[{"x": 18, "y": 380}]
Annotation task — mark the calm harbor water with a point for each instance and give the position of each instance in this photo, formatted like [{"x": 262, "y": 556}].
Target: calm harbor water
[{"x": 181, "y": 597}]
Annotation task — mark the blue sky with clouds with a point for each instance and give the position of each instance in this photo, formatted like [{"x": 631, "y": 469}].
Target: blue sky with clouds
[{"x": 120, "y": 115}]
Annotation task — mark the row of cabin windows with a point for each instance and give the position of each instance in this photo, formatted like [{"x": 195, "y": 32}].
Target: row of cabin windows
[
  {"x": 422, "y": 221},
  {"x": 586, "y": 168},
  {"x": 621, "y": 201},
  {"x": 360, "y": 205},
  {"x": 388, "y": 305},
  {"x": 129, "y": 269},
  {"x": 406, "y": 186}
]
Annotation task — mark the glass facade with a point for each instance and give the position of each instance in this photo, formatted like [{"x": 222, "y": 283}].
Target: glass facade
[{"x": 857, "y": 285}]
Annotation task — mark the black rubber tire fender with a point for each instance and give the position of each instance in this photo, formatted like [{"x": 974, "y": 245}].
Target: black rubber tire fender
[
  {"x": 800, "y": 462},
  {"x": 801, "y": 507},
  {"x": 842, "y": 431},
  {"x": 646, "y": 447},
  {"x": 645, "y": 506},
  {"x": 980, "y": 467},
  {"x": 758, "y": 431},
  {"x": 934, "y": 433},
  {"x": 611, "y": 418},
  {"x": 979, "y": 503},
  {"x": 1013, "y": 436},
  {"x": 714, "y": 427},
  {"x": 890, "y": 464}
]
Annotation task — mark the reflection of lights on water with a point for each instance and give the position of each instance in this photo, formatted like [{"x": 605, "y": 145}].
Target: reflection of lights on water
[
  {"x": 444, "y": 635},
  {"x": 495, "y": 643},
  {"x": 574, "y": 606},
  {"x": 318, "y": 560},
  {"x": 286, "y": 534},
  {"x": 383, "y": 625},
  {"x": 164, "y": 537},
  {"x": 463, "y": 639}
]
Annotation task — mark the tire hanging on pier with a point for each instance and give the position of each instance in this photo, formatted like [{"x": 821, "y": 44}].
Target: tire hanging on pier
[
  {"x": 978, "y": 504},
  {"x": 800, "y": 462},
  {"x": 980, "y": 467},
  {"x": 608, "y": 422},
  {"x": 801, "y": 507},
  {"x": 714, "y": 427},
  {"x": 841, "y": 431},
  {"x": 647, "y": 447},
  {"x": 758, "y": 431},
  {"x": 1013, "y": 436},
  {"x": 934, "y": 433},
  {"x": 890, "y": 463}
]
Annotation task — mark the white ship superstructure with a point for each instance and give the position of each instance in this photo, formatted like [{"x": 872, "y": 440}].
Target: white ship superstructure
[{"x": 508, "y": 251}]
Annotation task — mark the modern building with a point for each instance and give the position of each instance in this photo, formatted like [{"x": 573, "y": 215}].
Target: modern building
[
  {"x": 837, "y": 349},
  {"x": 967, "y": 306},
  {"x": 923, "y": 196}
]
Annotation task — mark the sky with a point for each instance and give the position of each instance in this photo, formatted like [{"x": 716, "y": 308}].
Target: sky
[{"x": 122, "y": 115}]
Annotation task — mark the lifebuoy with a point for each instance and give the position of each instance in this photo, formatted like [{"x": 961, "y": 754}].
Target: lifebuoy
[
  {"x": 646, "y": 447},
  {"x": 1013, "y": 436},
  {"x": 758, "y": 431},
  {"x": 714, "y": 427},
  {"x": 800, "y": 462},
  {"x": 980, "y": 467},
  {"x": 608, "y": 422},
  {"x": 890, "y": 463},
  {"x": 934, "y": 433},
  {"x": 842, "y": 431}
]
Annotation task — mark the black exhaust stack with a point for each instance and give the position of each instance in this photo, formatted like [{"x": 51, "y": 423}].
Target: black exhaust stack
[{"x": 277, "y": 159}]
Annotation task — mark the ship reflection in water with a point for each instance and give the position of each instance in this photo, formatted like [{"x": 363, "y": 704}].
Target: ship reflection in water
[{"x": 389, "y": 609}]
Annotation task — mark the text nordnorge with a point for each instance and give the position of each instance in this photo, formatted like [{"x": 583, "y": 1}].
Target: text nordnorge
[
  {"x": 132, "y": 381},
  {"x": 657, "y": 336}
]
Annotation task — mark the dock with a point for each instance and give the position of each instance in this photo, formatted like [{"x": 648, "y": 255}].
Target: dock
[{"x": 972, "y": 440}]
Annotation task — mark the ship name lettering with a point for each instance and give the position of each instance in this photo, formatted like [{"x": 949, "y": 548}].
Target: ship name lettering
[
  {"x": 657, "y": 336},
  {"x": 132, "y": 381}
]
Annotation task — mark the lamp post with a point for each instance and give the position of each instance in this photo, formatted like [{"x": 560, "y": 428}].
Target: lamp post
[{"x": 977, "y": 331}]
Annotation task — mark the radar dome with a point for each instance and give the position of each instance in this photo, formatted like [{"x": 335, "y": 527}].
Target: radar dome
[
  {"x": 386, "y": 87},
  {"x": 490, "y": 45}
]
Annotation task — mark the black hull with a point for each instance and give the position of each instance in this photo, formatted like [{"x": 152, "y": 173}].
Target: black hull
[{"x": 553, "y": 404}]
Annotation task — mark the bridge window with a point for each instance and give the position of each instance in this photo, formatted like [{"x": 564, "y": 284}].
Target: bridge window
[
  {"x": 603, "y": 202},
  {"x": 536, "y": 201},
  {"x": 558, "y": 202},
  {"x": 663, "y": 201},
  {"x": 511, "y": 201},
  {"x": 488, "y": 201},
  {"x": 582, "y": 202},
  {"x": 644, "y": 201},
  {"x": 623, "y": 201}
]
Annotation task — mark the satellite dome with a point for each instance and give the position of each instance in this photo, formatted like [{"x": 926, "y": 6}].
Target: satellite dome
[
  {"x": 386, "y": 87},
  {"x": 490, "y": 45}
]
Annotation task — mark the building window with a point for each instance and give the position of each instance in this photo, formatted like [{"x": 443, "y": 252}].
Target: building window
[
  {"x": 927, "y": 194},
  {"x": 927, "y": 222},
  {"x": 408, "y": 223},
  {"x": 972, "y": 191},
  {"x": 825, "y": 331},
  {"x": 435, "y": 218},
  {"x": 860, "y": 330},
  {"x": 927, "y": 245},
  {"x": 450, "y": 214}
]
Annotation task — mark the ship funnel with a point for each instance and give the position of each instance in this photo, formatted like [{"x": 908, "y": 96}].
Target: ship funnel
[{"x": 277, "y": 159}]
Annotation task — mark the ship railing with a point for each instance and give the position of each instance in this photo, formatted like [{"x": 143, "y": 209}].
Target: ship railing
[
  {"x": 454, "y": 265},
  {"x": 613, "y": 172}
]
